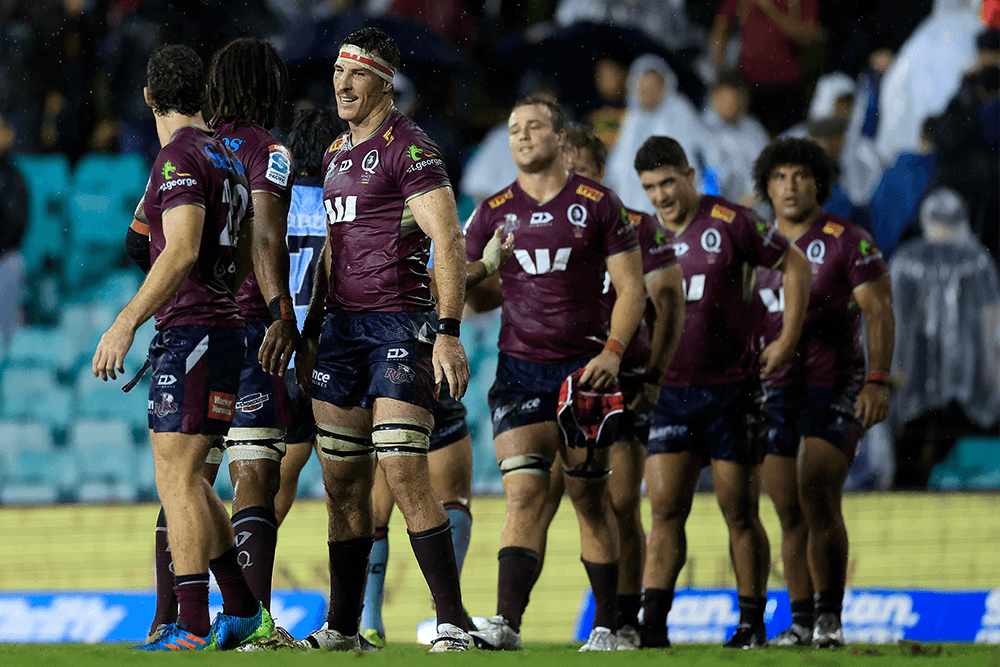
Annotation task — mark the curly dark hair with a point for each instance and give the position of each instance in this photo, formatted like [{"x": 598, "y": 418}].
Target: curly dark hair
[
  {"x": 657, "y": 152},
  {"x": 583, "y": 137},
  {"x": 378, "y": 42},
  {"x": 247, "y": 83},
  {"x": 800, "y": 152},
  {"x": 313, "y": 130},
  {"x": 175, "y": 77},
  {"x": 556, "y": 109}
]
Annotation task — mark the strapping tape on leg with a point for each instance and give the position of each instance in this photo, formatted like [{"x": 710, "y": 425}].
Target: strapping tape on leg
[
  {"x": 401, "y": 437},
  {"x": 343, "y": 444},
  {"x": 533, "y": 464},
  {"x": 583, "y": 473},
  {"x": 214, "y": 456},
  {"x": 255, "y": 444}
]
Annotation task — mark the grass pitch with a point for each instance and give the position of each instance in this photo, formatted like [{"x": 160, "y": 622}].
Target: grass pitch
[{"x": 535, "y": 655}]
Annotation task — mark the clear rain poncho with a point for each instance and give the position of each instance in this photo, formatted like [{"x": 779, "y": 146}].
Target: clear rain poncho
[{"x": 946, "y": 299}]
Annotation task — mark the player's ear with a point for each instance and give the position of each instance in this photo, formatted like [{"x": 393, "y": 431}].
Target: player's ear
[
  {"x": 689, "y": 174},
  {"x": 387, "y": 87},
  {"x": 146, "y": 96}
]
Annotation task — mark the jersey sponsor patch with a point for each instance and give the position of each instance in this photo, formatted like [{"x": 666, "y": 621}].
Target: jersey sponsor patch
[
  {"x": 834, "y": 229},
  {"x": 388, "y": 136},
  {"x": 221, "y": 406},
  {"x": 337, "y": 144},
  {"x": 589, "y": 192},
  {"x": 723, "y": 213},
  {"x": 501, "y": 198},
  {"x": 279, "y": 165},
  {"x": 635, "y": 219}
]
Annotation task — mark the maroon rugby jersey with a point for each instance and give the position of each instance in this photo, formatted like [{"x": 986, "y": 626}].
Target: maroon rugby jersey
[
  {"x": 843, "y": 258},
  {"x": 714, "y": 251},
  {"x": 269, "y": 169},
  {"x": 552, "y": 286},
  {"x": 196, "y": 168},
  {"x": 657, "y": 254},
  {"x": 378, "y": 253}
]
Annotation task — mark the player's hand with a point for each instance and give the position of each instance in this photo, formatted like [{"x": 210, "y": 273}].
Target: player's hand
[
  {"x": 497, "y": 253},
  {"x": 450, "y": 363},
  {"x": 280, "y": 341},
  {"x": 305, "y": 361},
  {"x": 111, "y": 351},
  {"x": 601, "y": 372},
  {"x": 646, "y": 398},
  {"x": 776, "y": 355},
  {"x": 872, "y": 405}
]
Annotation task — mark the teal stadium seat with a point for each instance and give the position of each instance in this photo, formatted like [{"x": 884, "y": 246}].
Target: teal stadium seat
[
  {"x": 35, "y": 471},
  {"x": 145, "y": 473},
  {"x": 106, "y": 400},
  {"x": 32, "y": 393},
  {"x": 47, "y": 348},
  {"x": 973, "y": 465},
  {"x": 48, "y": 180},
  {"x": 106, "y": 460}
]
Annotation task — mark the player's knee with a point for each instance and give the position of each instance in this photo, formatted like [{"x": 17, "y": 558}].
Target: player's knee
[
  {"x": 670, "y": 512},
  {"x": 401, "y": 437},
  {"x": 338, "y": 444}
]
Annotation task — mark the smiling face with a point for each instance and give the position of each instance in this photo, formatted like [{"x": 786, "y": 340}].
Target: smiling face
[
  {"x": 534, "y": 143},
  {"x": 671, "y": 191},
  {"x": 793, "y": 192},
  {"x": 359, "y": 91}
]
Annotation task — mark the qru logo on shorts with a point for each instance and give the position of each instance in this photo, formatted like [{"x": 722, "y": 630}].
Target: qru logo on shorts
[
  {"x": 166, "y": 405},
  {"x": 400, "y": 375}
]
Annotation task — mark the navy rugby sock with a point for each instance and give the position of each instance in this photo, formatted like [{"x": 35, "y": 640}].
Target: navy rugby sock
[
  {"x": 751, "y": 610},
  {"x": 802, "y": 612},
  {"x": 348, "y": 566}
]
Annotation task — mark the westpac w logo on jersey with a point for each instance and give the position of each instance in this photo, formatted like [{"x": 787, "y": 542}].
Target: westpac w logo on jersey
[
  {"x": 542, "y": 261},
  {"x": 341, "y": 209}
]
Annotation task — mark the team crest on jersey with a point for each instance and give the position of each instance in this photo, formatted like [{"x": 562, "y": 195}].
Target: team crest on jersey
[
  {"x": 501, "y": 198},
  {"x": 635, "y": 219},
  {"x": 510, "y": 222},
  {"x": 577, "y": 215},
  {"x": 589, "y": 192},
  {"x": 711, "y": 241},
  {"x": 723, "y": 213},
  {"x": 279, "y": 165},
  {"x": 833, "y": 229},
  {"x": 337, "y": 144},
  {"x": 816, "y": 251},
  {"x": 370, "y": 162},
  {"x": 400, "y": 375}
]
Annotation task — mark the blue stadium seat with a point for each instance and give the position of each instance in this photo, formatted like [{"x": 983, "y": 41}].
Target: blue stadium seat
[
  {"x": 48, "y": 348},
  {"x": 35, "y": 470},
  {"x": 973, "y": 465},
  {"x": 105, "y": 458},
  {"x": 47, "y": 178},
  {"x": 145, "y": 476},
  {"x": 106, "y": 399},
  {"x": 23, "y": 388}
]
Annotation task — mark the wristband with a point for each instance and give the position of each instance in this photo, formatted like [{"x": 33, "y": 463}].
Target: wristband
[
  {"x": 281, "y": 308},
  {"x": 312, "y": 328},
  {"x": 449, "y": 326},
  {"x": 615, "y": 346},
  {"x": 878, "y": 377}
]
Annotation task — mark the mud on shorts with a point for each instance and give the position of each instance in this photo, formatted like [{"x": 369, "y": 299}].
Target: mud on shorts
[
  {"x": 798, "y": 412},
  {"x": 449, "y": 420},
  {"x": 364, "y": 356},
  {"x": 196, "y": 375},
  {"x": 526, "y": 392},
  {"x": 711, "y": 421}
]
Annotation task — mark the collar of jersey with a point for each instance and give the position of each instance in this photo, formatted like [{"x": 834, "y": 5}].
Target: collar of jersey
[{"x": 351, "y": 145}]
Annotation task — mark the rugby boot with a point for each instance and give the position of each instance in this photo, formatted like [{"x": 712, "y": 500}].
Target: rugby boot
[
  {"x": 330, "y": 640},
  {"x": 450, "y": 638},
  {"x": 628, "y": 638},
  {"x": 796, "y": 635},
  {"x": 497, "y": 635},
  {"x": 601, "y": 639},
  {"x": 173, "y": 638},
  {"x": 748, "y": 636},
  {"x": 230, "y": 632},
  {"x": 827, "y": 633}
]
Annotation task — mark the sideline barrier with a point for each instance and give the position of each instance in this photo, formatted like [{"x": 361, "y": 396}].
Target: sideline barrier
[
  {"x": 870, "y": 616},
  {"x": 92, "y": 617}
]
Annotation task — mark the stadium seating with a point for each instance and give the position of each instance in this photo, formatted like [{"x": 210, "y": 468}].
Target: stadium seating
[
  {"x": 973, "y": 465},
  {"x": 34, "y": 469},
  {"x": 106, "y": 399},
  {"x": 46, "y": 348},
  {"x": 47, "y": 178},
  {"x": 32, "y": 393},
  {"x": 105, "y": 456}
]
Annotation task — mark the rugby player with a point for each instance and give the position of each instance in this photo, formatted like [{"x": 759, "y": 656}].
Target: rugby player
[
  {"x": 200, "y": 218},
  {"x": 706, "y": 395},
  {"x": 567, "y": 228},
  {"x": 820, "y": 404}
]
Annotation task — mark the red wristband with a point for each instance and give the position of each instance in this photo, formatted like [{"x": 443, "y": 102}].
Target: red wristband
[
  {"x": 282, "y": 308},
  {"x": 615, "y": 346},
  {"x": 879, "y": 377}
]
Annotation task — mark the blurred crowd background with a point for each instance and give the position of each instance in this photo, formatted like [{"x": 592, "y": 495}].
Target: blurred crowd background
[{"x": 902, "y": 95}]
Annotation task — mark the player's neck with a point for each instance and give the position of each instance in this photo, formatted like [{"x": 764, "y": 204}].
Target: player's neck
[
  {"x": 543, "y": 185},
  {"x": 364, "y": 130},
  {"x": 173, "y": 121},
  {"x": 678, "y": 225},
  {"x": 793, "y": 229}
]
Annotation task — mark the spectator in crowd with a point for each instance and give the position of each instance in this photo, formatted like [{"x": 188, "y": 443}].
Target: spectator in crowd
[
  {"x": 610, "y": 80},
  {"x": 947, "y": 297},
  {"x": 13, "y": 221},
  {"x": 775, "y": 34},
  {"x": 739, "y": 137}
]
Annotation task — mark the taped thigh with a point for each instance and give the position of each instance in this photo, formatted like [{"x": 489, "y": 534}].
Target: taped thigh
[
  {"x": 401, "y": 437},
  {"x": 533, "y": 464},
  {"x": 255, "y": 444},
  {"x": 214, "y": 456},
  {"x": 337, "y": 443}
]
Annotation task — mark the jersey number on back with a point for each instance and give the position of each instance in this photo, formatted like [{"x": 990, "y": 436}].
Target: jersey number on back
[
  {"x": 302, "y": 250},
  {"x": 341, "y": 209},
  {"x": 542, "y": 262},
  {"x": 236, "y": 200}
]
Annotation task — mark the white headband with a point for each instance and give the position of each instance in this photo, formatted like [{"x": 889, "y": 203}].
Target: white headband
[{"x": 367, "y": 60}]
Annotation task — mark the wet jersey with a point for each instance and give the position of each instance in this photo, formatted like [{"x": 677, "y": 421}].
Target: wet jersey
[
  {"x": 269, "y": 169},
  {"x": 197, "y": 169},
  {"x": 715, "y": 250},
  {"x": 843, "y": 257},
  {"x": 657, "y": 254},
  {"x": 378, "y": 253},
  {"x": 552, "y": 286}
]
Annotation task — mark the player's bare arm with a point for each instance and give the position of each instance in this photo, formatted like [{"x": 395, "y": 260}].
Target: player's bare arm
[
  {"x": 625, "y": 270},
  {"x": 182, "y": 229},
  {"x": 436, "y": 215},
  {"x": 497, "y": 252},
  {"x": 309, "y": 343},
  {"x": 270, "y": 260},
  {"x": 666, "y": 292},
  {"x": 875, "y": 300},
  {"x": 797, "y": 280}
]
